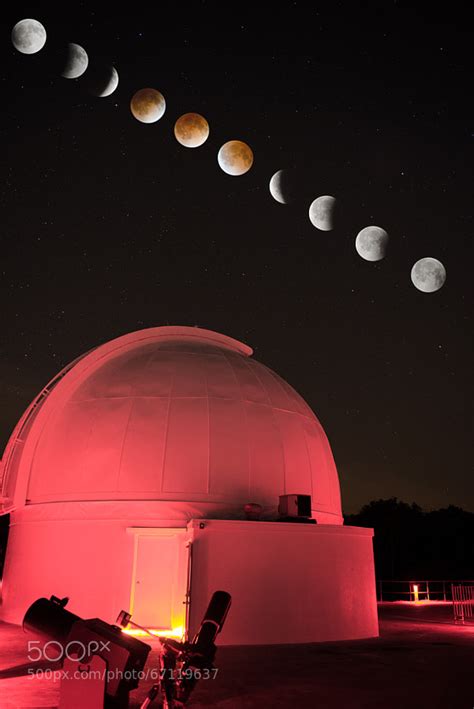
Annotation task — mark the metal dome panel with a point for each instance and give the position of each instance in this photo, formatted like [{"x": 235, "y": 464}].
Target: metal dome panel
[{"x": 178, "y": 414}]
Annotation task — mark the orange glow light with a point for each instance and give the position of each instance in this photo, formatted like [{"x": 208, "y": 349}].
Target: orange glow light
[
  {"x": 173, "y": 633},
  {"x": 415, "y": 593}
]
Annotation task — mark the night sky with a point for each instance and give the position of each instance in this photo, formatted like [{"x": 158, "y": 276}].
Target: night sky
[{"x": 109, "y": 225}]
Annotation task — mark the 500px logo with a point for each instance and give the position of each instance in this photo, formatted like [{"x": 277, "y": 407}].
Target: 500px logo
[{"x": 74, "y": 650}]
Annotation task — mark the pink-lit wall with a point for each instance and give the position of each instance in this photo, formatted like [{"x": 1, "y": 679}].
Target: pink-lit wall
[
  {"x": 290, "y": 582},
  {"x": 79, "y": 550}
]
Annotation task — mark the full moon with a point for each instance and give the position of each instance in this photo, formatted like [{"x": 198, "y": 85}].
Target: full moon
[
  {"x": 28, "y": 36},
  {"x": 76, "y": 62},
  {"x": 281, "y": 187},
  {"x": 235, "y": 157},
  {"x": 321, "y": 212},
  {"x": 371, "y": 243},
  {"x": 428, "y": 275},
  {"x": 148, "y": 105},
  {"x": 191, "y": 130}
]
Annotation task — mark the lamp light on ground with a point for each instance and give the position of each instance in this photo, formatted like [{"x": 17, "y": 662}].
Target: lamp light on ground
[{"x": 177, "y": 633}]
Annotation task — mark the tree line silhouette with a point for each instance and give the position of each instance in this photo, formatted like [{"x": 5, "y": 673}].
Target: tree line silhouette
[{"x": 411, "y": 544}]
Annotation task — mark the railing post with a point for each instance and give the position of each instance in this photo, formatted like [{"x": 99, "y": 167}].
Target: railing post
[
  {"x": 427, "y": 590},
  {"x": 444, "y": 591}
]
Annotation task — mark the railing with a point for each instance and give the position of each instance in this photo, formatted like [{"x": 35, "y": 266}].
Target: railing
[
  {"x": 463, "y": 603},
  {"x": 424, "y": 590}
]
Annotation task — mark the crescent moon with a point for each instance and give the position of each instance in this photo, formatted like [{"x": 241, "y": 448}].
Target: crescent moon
[
  {"x": 111, "y": 85},
  {"x": 101, "y": 80},
  {"x": 281, "y": 187}
]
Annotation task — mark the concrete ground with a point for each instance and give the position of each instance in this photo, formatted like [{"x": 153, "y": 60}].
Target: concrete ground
[{"x": 420, "y": 661}]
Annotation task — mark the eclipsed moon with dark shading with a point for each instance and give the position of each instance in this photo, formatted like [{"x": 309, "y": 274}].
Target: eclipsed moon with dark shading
[
  {"x": 148, "y": 105},
  {"x": 321, "y": 212},
  {"x": 428, "y": 274},
  {"x": 371, "y": 243},
  {"x": 191, "y": 130},
  {"x": 76, "y": 61},
  {"x": 235, "y": 157},
  {"x": 282, "y": 187},
  {"x": 100, "y": 79},
  {"x": 28, "y": 36}
]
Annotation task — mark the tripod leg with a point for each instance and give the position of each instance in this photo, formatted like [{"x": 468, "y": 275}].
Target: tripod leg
[{"x": 151, "y": 696}]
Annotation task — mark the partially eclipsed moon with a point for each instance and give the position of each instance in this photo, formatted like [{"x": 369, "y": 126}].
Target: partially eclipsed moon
[
  {"x": 321, "y": 212},
  {"x": 148, "y": 105},
  {"x": 281, "y": 187},
  {"x": 111, "y": 83},
  {"x": 191, "y": 130},
  {"x": 371, "y": 243},
  {"x": 101, "y": 80},
  {"x": 235, "y": 157},
  {"x": 76, "y": 61},
  {"x": 428, "y": 275},
  {"x": 28, "y": 36}
]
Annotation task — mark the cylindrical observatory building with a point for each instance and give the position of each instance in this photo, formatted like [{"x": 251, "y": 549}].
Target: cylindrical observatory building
[{"x": 126, "y": 481}]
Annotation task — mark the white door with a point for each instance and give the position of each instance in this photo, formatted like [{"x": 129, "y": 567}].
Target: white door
[{"x": 160, "y": 579}]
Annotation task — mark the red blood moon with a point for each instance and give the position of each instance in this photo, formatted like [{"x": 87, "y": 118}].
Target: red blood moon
[{"x": 191, "y": 130}]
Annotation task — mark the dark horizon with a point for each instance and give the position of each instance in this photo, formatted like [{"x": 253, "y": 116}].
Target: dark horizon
[{"x": 110, "y": 226}]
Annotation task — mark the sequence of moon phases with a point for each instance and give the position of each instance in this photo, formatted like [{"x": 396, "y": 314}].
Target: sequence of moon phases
[
  {"x": 28, "y": 36},
  {"x": 428, "y": 275},
  {"x": 321, "y": 212},
  {"x": 148, "y": 105},
  {"x": 371, "y": 243},
  {"x": 235, "y": 157},
  {"x": 191, "y": 130},
  {"x": 282, "y": 187},
  {"x": 76, "y": 61}
]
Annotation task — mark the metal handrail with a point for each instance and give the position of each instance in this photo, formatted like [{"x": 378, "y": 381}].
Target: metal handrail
[
  {"x": 428, "y": 589},
  {"x": 463, "y": 602}
]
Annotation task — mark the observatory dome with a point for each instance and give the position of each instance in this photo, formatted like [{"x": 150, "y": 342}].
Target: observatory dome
[{"x": 175, "y": 414}]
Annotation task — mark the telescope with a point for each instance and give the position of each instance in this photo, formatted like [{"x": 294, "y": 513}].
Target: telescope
[
  {"x": 182, "y": 665},
  {"x": 101, "y": 664}
]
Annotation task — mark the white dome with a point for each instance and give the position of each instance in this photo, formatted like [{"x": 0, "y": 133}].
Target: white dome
[{"x": 171, "y": 414}]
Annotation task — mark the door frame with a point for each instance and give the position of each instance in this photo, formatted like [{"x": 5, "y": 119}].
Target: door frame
[{"x": 162, "y": 532}]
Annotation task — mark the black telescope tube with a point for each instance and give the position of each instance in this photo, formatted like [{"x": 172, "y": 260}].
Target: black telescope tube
[
  {"x": 49, "y": 619},
  {"x": 213, "y": 618}
]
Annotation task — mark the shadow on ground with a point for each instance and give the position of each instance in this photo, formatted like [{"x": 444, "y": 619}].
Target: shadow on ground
[{"x": 420, "y": 660}]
